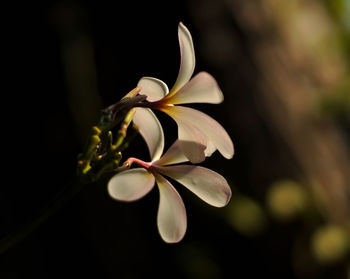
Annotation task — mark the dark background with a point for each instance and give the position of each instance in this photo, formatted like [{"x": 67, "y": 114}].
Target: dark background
[{"x": 64, "y": 61}]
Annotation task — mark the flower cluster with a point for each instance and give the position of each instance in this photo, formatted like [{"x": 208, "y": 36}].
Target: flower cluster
[{"x": 199, "y": 136}]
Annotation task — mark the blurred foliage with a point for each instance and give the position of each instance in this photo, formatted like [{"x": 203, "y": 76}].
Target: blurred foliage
[
  {"x": 246, "y": 216},
  {"x": 287, "y": 200},
  {"x": 197, "y": 263},
  {"x": 340, "y": 12},
  {"x": 337, "y": 104},
  {"x": 330, "y": 243}
]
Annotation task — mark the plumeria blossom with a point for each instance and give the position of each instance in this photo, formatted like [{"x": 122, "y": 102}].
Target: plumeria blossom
[
  {"x": 199, "y": 135},
  {"x": 133, "y": 184}
]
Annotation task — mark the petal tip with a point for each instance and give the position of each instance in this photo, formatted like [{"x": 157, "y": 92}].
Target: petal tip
[
  {"x": 228, "y": 197},
  {"x": 229, "y": 155},
  {"x": 155, "y": 89},
  {"x": 181, "y": 25},
  {"x": 172, "y": 240},
  {"x": 171, "y": 217},
  {"x": 218, "y": 97}
]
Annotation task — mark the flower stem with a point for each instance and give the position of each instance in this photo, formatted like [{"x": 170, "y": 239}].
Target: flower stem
[{"x": 141, "y": 163}]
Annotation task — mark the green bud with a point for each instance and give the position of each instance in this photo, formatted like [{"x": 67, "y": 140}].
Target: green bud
[
  {"x": 95, "y": 140},
  {"x": 96, "y": 131}
]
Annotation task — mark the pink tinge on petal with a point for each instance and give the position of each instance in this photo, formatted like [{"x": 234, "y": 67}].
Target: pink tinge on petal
[
  {"x": 208, "y": 185},
  {"x": 151, "y": 130},
  {"x": 171, "y": 218},
  {"x": 187, "y": 61},
  {"x": 153, "y": 88},
  {"x": 212, "y": 130},
  {"x": 174, "y": 155},
  {"x": 130, "y": 185},
  {"x": 203, "y": 88}
]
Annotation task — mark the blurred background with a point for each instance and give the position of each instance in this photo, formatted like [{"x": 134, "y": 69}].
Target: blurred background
[{"x": 284, "y": 69}]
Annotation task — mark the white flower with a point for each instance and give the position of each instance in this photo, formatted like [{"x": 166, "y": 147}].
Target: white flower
[
  {"x": 133, "y": 184},
  {"x": 199, "y": 134}
]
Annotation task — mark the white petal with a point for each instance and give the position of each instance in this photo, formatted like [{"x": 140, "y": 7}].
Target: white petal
[
  {"x": 187, "y": 61},
  {"x": 203, "y": 88},
  {"x": 151, "y": 130},
  {"x": 130, "y": 185},
  {"x": 211, "y": 148},
  {"x": 213, "y": 131},
  {"x": 174, "y": 155},
  {"x": 191, "y": 141},
  {"x": 205, "y": 183},
  {"x": 153, "y": 88},
  {"x": 171, "y": 219}
]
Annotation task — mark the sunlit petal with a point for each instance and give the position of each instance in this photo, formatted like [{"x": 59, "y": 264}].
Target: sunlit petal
[
  {"x": 151, "y": 130},
  {"x": 130, "y": 185},
  {"x": 211, "y": 148},
  {"x": 174, "y": 155},
  {"x": 203, "y": 88},
  {"x": 191, "y": 141},
  {"x": 205, "y": 183},
  {"x": 213, "y": 131},
  {"x": 171, "y": 219},
  {"x": 153, "y": 88},
  {"x": 187, "y": 62}
]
